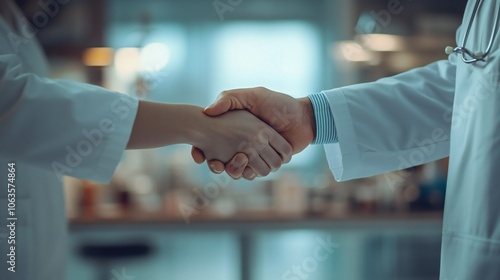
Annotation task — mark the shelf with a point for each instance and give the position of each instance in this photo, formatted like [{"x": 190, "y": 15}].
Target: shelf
[{"x": 252, "y": 221}]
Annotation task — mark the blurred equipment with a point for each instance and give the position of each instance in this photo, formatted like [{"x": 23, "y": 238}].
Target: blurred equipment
[{"x": 105, "y": 254}]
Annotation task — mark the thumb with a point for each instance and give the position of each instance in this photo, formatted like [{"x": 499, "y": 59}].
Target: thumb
[
  {"x": 220, "y": 106},
  {"x": 227, "y": 101}
]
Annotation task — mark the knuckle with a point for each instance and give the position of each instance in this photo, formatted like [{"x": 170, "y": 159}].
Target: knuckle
[
  {"x": 252, "y": 154},
  {"x": 266, "y": 172},
  {"x": 225, "y": 94},
  {"x": 276, "y": 164},
  {"x": 288, "y": 151},
  {"x": 265, "y": 133}
]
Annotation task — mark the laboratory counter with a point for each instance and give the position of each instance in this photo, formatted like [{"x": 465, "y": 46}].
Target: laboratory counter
[{"x": 258, "y": 246}]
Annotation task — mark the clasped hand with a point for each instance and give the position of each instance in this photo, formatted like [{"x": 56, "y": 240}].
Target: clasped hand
[
  {"x": 285, "y": 117},
  {"x": 239, "y": 132}
]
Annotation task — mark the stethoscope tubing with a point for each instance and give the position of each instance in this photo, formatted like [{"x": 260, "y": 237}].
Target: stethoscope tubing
[{"x": 478, "y": 56}]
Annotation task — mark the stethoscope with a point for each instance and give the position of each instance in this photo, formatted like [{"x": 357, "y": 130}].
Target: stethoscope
[{"x": 478, "y": 56}]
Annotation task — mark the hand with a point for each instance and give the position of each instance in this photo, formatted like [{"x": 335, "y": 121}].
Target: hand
[
  {"x": 292, "y": 118},
  {"x": 221, "y": 137}
]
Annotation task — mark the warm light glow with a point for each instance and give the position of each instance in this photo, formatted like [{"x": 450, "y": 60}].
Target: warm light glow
[
  {"x": 381, "y": 42},
  {"x": 98, "y": 57},
  {"x": 403, "y": 61},
  {"x": 352, "y": 51},
  {"x": 154, "y": 57},
  {"x": 127, "y": 62}
]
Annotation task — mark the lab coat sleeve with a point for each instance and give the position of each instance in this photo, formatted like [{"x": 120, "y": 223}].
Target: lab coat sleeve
[
  {"x": 72, "y": 128},
  {"x": 393, "y": 123}
]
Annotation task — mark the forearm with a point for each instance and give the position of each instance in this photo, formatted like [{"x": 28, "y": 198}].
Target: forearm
[
  {"x": 391, "y": 120},
  {"x": 160, "y": 124},
  {"x": 219, "y": 138}
]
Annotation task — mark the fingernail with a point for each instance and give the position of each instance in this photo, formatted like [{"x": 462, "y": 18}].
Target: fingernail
[
  {"x": 212, "y": 167},
  {"x": 237, "y": 165}
]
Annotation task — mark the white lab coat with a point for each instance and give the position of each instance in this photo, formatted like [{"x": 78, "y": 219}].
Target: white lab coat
[
  {"x": 445, "y": 108},
  {"x": 44, "y": 128}
]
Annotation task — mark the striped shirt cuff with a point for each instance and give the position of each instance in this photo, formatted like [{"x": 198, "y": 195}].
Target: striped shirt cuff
[{"x": 326, "y": 132}]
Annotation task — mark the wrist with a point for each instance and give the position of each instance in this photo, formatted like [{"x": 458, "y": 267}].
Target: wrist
[
  {"x": 160, "y": 124},
  {"x": 308, "y": 119},
  {"x": 193, "y": 126}
]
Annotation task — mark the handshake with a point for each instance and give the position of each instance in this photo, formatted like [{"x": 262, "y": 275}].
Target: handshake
[
  {"x": 285, "y": 126},
  {"x": 246, "y": 132}
]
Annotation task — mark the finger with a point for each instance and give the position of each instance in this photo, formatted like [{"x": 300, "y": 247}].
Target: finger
[
  {"x": 277, "y": 142},
  {"x": 234, "y": 178},
  {"x": 271, "y": 158},
  {"x": 237, "y": 165},
  {"x": 197, "y": 155},
  {"x": 260, "y": 166},
  {"x": 249, "y": 174},
  {"x": 216, "y": 166},
  {"x": 282, "y": 147},
  {"x": 233, "y": 100}
]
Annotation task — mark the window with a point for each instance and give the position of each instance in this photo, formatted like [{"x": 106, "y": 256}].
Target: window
[{"x": 283, "y": 56}]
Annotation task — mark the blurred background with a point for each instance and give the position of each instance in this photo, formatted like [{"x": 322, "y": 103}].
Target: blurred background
[{"x": 164, "y": 217}]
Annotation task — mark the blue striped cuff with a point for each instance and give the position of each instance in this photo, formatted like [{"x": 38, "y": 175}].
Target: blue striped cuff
[{"x": 325, "y": 124}]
